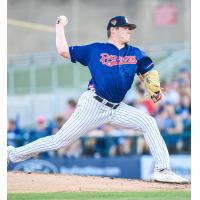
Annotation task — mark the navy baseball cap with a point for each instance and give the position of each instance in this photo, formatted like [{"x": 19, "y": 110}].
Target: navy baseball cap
[{"x": 120, "y": 21}]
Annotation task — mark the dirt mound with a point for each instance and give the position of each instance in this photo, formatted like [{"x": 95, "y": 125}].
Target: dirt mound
[{"x": 35, "y": 182}]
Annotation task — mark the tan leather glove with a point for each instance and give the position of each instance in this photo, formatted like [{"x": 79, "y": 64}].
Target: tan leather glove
[{"x": 152, "y": 85}]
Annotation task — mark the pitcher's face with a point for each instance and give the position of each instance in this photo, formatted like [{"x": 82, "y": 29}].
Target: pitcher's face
[{"x": 123, "y": 34}]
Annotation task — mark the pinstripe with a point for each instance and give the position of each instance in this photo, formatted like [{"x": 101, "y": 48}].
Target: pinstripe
[
  {"x": 142, "y": 125},
  {"x": 90, "y": 123},
  {"x": 152, "y": 136},
  {"x": 138, "y": 122},
  {"x": 148, "y": 136},
  {"x": 75, "y": 125},
  {"x": 72, "y": 129},
  {"x": 46, "y": 142},
  {"x": 80, "y": 126},
  {"x": 40, "y": 142}
]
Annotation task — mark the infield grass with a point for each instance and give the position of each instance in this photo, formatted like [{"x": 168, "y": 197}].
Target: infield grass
[{"x": 101, "y": 196}]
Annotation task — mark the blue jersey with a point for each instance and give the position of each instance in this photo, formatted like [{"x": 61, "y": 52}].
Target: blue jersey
[{"x": 112, "y": 69}]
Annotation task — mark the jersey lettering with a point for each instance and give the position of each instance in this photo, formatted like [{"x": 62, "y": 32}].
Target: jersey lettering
[{"x": 112, "y": 60}]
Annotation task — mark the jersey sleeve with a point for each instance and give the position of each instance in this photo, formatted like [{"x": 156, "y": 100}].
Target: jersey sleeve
[
  {"x": 144, "y": 63},
  {"x": 81, "y": 54}
]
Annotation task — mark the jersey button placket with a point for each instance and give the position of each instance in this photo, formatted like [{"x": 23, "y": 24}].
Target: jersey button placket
[{"x": 119, "y": 65}]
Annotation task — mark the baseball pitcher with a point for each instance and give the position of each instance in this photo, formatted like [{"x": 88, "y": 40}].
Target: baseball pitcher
[{"x": 113, "y": 66}]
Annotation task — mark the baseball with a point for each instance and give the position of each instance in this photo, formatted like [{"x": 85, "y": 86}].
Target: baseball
[{"x": 62, "y": 20}]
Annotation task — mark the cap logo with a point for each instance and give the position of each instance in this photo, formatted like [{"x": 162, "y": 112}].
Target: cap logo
[
  {"x": 114, "y": 22},
  {"x": 126, "y": 20}
]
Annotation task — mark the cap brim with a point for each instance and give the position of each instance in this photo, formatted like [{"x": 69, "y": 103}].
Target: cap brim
[{"x": 131, "y": 26}]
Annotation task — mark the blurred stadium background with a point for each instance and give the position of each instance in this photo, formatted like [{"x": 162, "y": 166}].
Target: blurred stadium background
[{"x": 43, "y": 88}]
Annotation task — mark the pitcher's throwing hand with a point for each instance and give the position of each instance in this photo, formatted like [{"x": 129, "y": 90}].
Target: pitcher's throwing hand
[{"x": 62, "y": 20}]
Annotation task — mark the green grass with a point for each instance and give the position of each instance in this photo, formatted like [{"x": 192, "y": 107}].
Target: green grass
[{"x": 102, "y": 196}]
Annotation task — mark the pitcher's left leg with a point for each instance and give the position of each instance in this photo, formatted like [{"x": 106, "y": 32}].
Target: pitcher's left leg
[{"x": 130, "y": 117}]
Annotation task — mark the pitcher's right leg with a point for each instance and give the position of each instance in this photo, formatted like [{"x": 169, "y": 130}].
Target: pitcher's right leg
[{"x": 86, "y": 117}]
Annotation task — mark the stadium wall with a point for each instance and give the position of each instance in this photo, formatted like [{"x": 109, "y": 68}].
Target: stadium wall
[{"x": 135, "y": 167}]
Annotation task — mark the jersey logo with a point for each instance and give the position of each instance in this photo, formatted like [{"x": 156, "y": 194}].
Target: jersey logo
[
  {"x": 91, "y": 87},
  {"x": 114, "y": 22},
  {"x": 112, "y": 60}
]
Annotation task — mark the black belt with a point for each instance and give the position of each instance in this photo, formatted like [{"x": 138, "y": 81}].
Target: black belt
[{"x": 111, "y": 105}]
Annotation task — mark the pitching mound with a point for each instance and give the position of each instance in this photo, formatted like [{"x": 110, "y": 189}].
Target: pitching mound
[{"x": 35, "y": 182}]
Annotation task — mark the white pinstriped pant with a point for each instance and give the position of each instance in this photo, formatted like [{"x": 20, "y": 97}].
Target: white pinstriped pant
[{"x": 91, "y": 114}]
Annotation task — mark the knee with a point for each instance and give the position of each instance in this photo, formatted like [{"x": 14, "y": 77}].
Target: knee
[
  {"x": 56, "y": 142},
  {"x": 149, "y": 120},
  {"x": 152, "y": 120}
]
